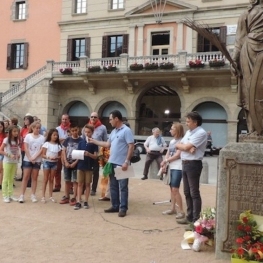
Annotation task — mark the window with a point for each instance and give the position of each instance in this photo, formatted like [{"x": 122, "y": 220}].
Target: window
[
  {"x": 204, "y": 45},
  {"x": 113, "y": 46},
  {"x": 17, "y": 56},
  {"x": 21, "y": 10},
  {"x": 160, "y": 43},
  {"x": 80, "y": 6},
  {"x": 78, "y": 47},
  {"x": 117, "y": 4}
]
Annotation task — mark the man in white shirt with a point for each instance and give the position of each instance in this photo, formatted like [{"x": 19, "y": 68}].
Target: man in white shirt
[
  {"x": 192, "y": 148},
  {"x": 154, "y": 146}
]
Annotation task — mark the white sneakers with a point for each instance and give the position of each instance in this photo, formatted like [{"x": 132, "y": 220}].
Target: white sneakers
[
  {"x": 21, "y": 199},
  {"x": 6, "y": 199},
  {"x": 33, "y": 198},
  {"x": 12, "y": 198}
]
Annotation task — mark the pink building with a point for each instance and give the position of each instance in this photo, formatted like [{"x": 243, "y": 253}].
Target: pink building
[{"x": 30, "y": 35}]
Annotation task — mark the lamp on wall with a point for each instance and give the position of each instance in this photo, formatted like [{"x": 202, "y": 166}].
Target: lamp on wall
[{"x": 167, "y": 112}]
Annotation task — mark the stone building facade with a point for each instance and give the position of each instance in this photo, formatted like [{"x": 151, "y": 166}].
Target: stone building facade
[{"x": 122, "y": 33}]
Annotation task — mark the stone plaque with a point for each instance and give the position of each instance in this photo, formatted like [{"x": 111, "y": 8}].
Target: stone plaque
[{"x": 244, "y": 192}]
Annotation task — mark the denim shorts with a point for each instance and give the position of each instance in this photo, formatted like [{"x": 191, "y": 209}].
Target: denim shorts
[
  {"x": 1, "y": 157},
  {"x": 70, "y": 175},
  {"x": 31, "y": 165},
  {"x": 176, "y": 177},
  {"x": 49, "y": 165}
]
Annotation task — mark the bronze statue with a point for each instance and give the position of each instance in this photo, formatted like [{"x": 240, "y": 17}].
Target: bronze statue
[{"x": 248, "y": 56}]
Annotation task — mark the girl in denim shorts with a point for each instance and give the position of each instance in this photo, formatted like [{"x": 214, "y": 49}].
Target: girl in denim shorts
[
  {"x": 2, "y": 136},
  {"x": 51, "y": 152}
]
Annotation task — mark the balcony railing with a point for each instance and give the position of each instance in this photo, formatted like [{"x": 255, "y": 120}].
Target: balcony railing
[{"x": 123, "y": 63}]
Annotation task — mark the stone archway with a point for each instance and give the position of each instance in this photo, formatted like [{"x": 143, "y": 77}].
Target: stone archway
[
  {"x": 78, "y": 113},
  {"x": 158, "y": 106},
  {"x": 214, "y": 120}
]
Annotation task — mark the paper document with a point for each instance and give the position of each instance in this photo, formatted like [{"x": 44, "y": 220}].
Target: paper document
[
  {"x": 78, "y": 155},
  {"x": 119, "y": 174}
]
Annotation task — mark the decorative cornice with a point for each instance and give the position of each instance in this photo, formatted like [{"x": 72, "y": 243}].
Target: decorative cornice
[
  {"x": 90, "y": 85},
  {"x": 185, "y": 84}
]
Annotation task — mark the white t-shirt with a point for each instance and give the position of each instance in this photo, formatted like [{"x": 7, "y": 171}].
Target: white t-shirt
[
  {"x": 11, "y": 149},
  {"x": 52, "y": 150},
  {"x": 34, "y": 146},
  {"x": 176, "y": 164}
]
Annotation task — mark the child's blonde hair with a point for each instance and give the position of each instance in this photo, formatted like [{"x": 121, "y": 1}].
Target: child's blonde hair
[{"x": 33, "y": 125}]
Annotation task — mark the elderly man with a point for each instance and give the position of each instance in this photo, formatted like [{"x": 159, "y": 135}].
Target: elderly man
[
  {"x": 192, "y": 148},
  {"x": 121, "y": 144},
  {"x": 62, "y": 132},
  {"x": 154, "y": 146},
  {"x": 99, "y": 134}
]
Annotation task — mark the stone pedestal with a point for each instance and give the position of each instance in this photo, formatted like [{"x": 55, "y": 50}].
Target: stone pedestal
[
  {"x": 153, "y": 171},
  {"x": 205, "y": 173},
  {"x": 239, "y": 188}
]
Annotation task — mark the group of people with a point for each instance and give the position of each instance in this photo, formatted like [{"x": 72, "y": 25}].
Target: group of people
[{"x": 184, "y": 158}]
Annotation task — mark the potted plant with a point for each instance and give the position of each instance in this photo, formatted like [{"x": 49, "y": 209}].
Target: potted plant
[
  {"x": 136, "y": 66},
  {"x": 249, "y": 240},
  {"x": 151, "y": 66},
  {"x": 110, "y": 68},
  {"x": 94, "y": 68},
  {"x": 196, "y": 63},
  {"x": 167, "y": 65},
  {"x": 66, "y": 71},
  {"x": 217, "y": 63}
]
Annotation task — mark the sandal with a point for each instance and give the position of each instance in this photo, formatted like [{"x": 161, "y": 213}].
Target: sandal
[
  {"x": 52, "y": 199},
  {"x": 43, "y": 200}
]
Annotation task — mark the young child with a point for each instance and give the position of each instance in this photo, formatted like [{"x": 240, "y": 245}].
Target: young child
[
  {"x": 2, "y": 136},
  {"x": 32, "y": 161},
  {"x": 11, "y": 151},
  {"x": 70, "y": 165},
  {"x": 51, "y": 152},
  {"x": 85, "y": 167}
]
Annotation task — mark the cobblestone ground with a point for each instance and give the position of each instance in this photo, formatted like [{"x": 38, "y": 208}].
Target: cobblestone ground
[{"x": 36, "y": 232}]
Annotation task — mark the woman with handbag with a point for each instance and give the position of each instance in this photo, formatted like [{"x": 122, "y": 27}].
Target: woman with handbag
[{"x": 172, "y": 158}]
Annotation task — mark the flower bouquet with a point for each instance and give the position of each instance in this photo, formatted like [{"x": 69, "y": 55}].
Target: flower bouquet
[
  {"x": 196, "y": 63},
  {"x": 136, "y": 66},
  {"x": 94, "y": 68},
  {"x": 204, "y": 228},
  {"x": 66, "y": 71},
  {"x": 249, "y": 241},
  {"x": 167, "y": 65},
  {"x": 151, "y": 66},
  {"x": 110, "y": 68},
  {"x": 217, "y": 63}
]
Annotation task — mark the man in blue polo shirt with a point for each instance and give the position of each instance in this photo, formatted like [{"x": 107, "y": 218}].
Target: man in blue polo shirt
[
  {"x": 192, "y": 148},
  {"x": 121, "y": 144}
]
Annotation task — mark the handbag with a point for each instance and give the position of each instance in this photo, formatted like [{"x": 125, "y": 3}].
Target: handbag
[
  {"x": 166, "y": 176},
  {"x": 136, "y": 156}
]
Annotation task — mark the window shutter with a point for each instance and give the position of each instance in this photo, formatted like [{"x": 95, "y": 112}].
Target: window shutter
[
  {"x": 26, "y": 53},
  {"x": 125, "y": 45},
  {"x": 222, "y": 35},
  {"x": 9, "y": 57},
  {"x": 104, "y": 46},
  {"x": 87, "y": 41},
  {"x": 69, "y": 50},
  {"x": 200, "y": 43}
]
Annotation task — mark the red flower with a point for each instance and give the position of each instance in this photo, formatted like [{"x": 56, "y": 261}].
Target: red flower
[
  {"x": 245, "y": 219},
  {"x": 199, "y": 229},
  {"x": 247, "y": 238},
  {"x": 240, "y": 251},
  {"x": 247, "y": 228},
  {"x": 240, "y": 227},
  {"x": 239, "y": 240}
]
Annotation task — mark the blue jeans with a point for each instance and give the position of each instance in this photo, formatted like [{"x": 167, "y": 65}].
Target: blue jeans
[
  {"x": 119, "y": 192},
  {"x": 191, "y": 177}
]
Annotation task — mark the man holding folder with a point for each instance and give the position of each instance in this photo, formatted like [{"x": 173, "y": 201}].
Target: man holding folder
[{"x": 121, "y": 144}]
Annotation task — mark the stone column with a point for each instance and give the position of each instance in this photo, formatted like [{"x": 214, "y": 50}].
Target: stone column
[
  {"x": 140, "y": 41},
  {"x": 179, "y": 37},
  {"x": 124, "y": 62},
  {"x": 83, "y": 64},
  {"x": 131, "y": 41}
]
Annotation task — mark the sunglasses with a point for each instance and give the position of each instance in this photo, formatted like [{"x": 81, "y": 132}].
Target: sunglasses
[{"x": 93, "y": 117}]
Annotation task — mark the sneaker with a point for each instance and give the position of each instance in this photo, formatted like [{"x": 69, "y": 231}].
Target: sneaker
[
  {"x": 93, "y": 193},
  {"x": 33, "y": 198},
  {"x": 52, "y": 199},
  {"x": 86, "y": 206},
  {"x": 72, "y": 201},
  {"x": 169, "y": 212},
  {"x": 183, "y": 221},
  {"x": 12, "y": 198},
  {"x": 64, "y": 200},
  {"x": 77, "y": 206},
  {"x": 43, "y": 200},
  {"x": 180, "y": 215},
  {"x": 21, "y": 199},
  {"x": 6, "y": 199}
]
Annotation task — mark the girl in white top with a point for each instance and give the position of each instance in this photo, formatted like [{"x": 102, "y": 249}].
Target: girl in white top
[
  {"x": 11, "y": 151},
  {"x": 32, "y": 161},
  {"x": 172, "y": 159},
  {"x": 51, "y": 152}
]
